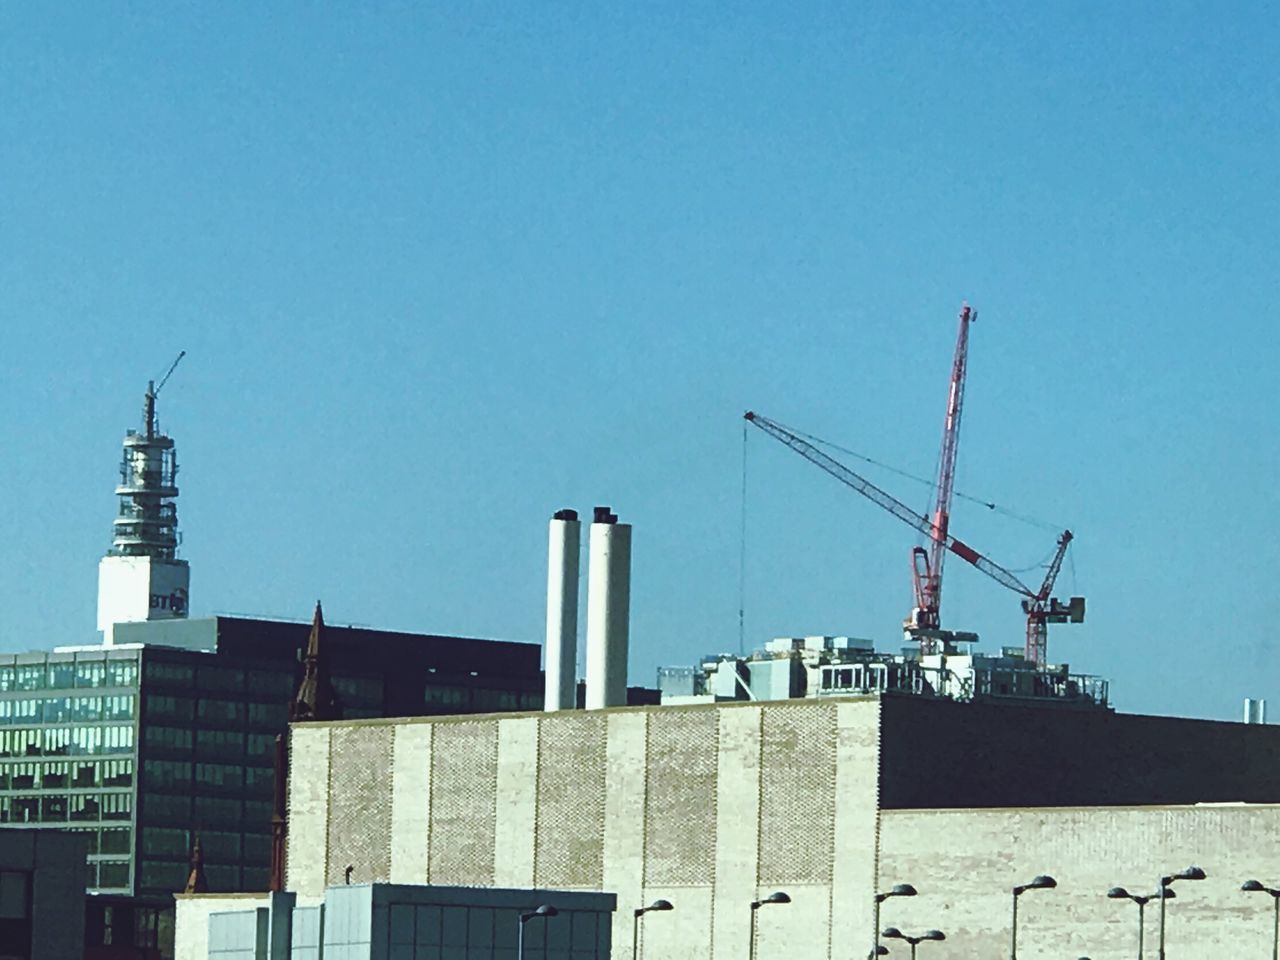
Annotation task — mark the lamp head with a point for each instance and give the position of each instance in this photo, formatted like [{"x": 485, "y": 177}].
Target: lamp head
[
  {"x": 934, "y": 935},
  {"x": 776, "y": 897},
  {"x": 1043, "y": 882},
  {"x": 1118, "y": 893},
  {"x": 892, "y": 933},
  {"x": 660, "y": 905},
  {"x": 544, "y": 910},
  {"x": 1252, "y": 886},
  {"x": 1191, "y": 873},
  {"x": 903, "y": 890}
]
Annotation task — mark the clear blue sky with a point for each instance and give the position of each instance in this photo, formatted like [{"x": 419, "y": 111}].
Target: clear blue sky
[{"x": 443, "y": 269}]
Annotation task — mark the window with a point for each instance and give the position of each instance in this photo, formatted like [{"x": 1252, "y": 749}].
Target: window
[
  {"x": 22, "y": 776},
  {"x": 85, "y": 740},
  {"x": 220, "y": 846},
  {"x": 53, "y": 809},
  {"x": 117, "y": 739},
  {"x": 278, "y": 686},
  {"x": 113, "y": 874},
  {"x": 25, "y": 810},
  {"x": 217, "y": 811},
  {"x": 57, "y": 741},
  {"x": 86, "y": 708},
  {"x": 446, "y": 696},
  {"x": 219, "y": 776},
  {"x": 220, "y": 711},
  {"x": 117, "y": 773},
  {"x": 117, "y": 806},
  {"x": 146, "y": 926},
  {"x": 85, "y": 806},
  {"x": 171, "y": 708},
  {"x": 90, "y": 673},
  {"x": 169, "y": 738},
  {"x": 167, "y": 773},
  {"x": 268, "y": 716},
  {"x": 92, "y": 837},
  {"x": 220, "y": 678},
  {"x": 165, "y": 842},
  {"x": 122, "y": 673},
  {"x": 262, "y": 744},
  {"x": 117, "y": 708},
  {"x": 55, "y": 775},
  {"x": 15, "y": 894},
  {"x": 358, "y": 691},
  {"x": 117, "y": 841},
  {"x": 169, "y": 809},
  {"x": 29, "y": 676},
  {"x": 170, "y": 674},
  {"x": 220, "y": 743},
  {"x": 61, "y": 674},
  {"x": 85, "y": 775},
  {"x": 6, "y": 678}
]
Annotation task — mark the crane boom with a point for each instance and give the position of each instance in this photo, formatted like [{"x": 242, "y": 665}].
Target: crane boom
[
  {"x": 888, "y": 502},
  {"x": 927, "y": 566}
]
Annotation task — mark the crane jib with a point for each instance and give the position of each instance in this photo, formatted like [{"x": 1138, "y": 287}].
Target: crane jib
[{"x": 964, "y": 551}]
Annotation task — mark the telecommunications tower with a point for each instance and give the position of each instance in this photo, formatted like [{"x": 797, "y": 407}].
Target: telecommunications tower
[{"x": 141, "y": 577}]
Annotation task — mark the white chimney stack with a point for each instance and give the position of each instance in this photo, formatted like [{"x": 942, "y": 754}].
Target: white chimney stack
[
  {"x": 563, "y": 553},
  {"x": 608, "y": 610}
]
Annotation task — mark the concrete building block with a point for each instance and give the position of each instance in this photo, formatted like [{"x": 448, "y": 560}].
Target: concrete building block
[
  {"x": 624, "y": 818},
  {"x": 411, "y": 803},
  {"x": 515, "y": 833},
  {"x": 309, "y": 807},
  {"x": 571, "y": 787},
  {"x": 737, "y": 828},
  {"x": 854, "y": 831},
  {"x": 975, "y": 857},
  {"x": 360, "y": 811},
  {"x": 464, "y": 798}
]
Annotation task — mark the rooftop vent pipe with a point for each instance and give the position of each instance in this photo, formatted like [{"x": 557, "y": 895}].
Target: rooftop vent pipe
[
  {"x": 563, "y": 555},
  {"x": 608, "y": 610}
]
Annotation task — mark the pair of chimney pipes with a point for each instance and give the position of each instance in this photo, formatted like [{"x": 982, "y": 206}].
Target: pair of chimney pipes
[{"x": 608, "y": 610}]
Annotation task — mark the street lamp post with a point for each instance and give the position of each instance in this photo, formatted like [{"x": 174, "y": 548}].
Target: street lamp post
[
  {"x": 635, "y": 925},
  {"x": 546, "y": 910},
  {"x": 900, "y": 890},
  {"x": 1191, "y": 873},
  {"x": 1253, "y": 886},
  {"x": 778, "y": 897},
  {"x": 893, "y": 933},
  {"x": 1120, "y": 893},
  {"x": 1042, "y": 882}
]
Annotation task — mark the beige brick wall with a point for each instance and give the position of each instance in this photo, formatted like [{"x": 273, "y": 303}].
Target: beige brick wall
[
  {"x": 965, "y": 862},
  {"x": 675, "y": 803}
]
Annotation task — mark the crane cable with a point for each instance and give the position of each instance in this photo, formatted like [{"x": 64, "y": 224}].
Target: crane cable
[{"x": 995, "y": 507}]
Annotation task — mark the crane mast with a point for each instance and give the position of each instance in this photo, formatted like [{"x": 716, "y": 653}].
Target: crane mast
[{"x": 926, "y": 565}]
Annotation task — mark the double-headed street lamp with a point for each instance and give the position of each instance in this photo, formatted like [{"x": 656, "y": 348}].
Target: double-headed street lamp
[
  {"x": 1120, "y": 893},
  {"x": 1042, "y": 882},
  {"x": 544, "y": 911},
  {"x": 900, "y": 890},
  {"x": 1191, "y": 873},
  {"x": 657, "y": 905},
  {"x": 778, "y": 897},
  {"x": 893, "y": 933},
  {"x": 1253, "y": 886}
]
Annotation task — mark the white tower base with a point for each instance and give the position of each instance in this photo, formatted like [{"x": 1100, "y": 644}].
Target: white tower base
[{"x": 131, "y": 589}]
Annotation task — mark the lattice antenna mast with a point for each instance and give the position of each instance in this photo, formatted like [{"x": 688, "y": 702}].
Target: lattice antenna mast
[{"x": 926, "y": 565}]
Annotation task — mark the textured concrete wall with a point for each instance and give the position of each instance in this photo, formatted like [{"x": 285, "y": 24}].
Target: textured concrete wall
[
  {"x": 709, "y": 807},
  {"x": 965, "y": 863}
]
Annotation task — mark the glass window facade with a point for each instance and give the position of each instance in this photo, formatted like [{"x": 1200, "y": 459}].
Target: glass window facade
[{"x": 68, "y": 752}]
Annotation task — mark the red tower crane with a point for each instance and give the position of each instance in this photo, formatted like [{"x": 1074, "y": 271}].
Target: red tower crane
[
  {"x": 1039, "y": 607},
  {"x": 926, "y": 565}
]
